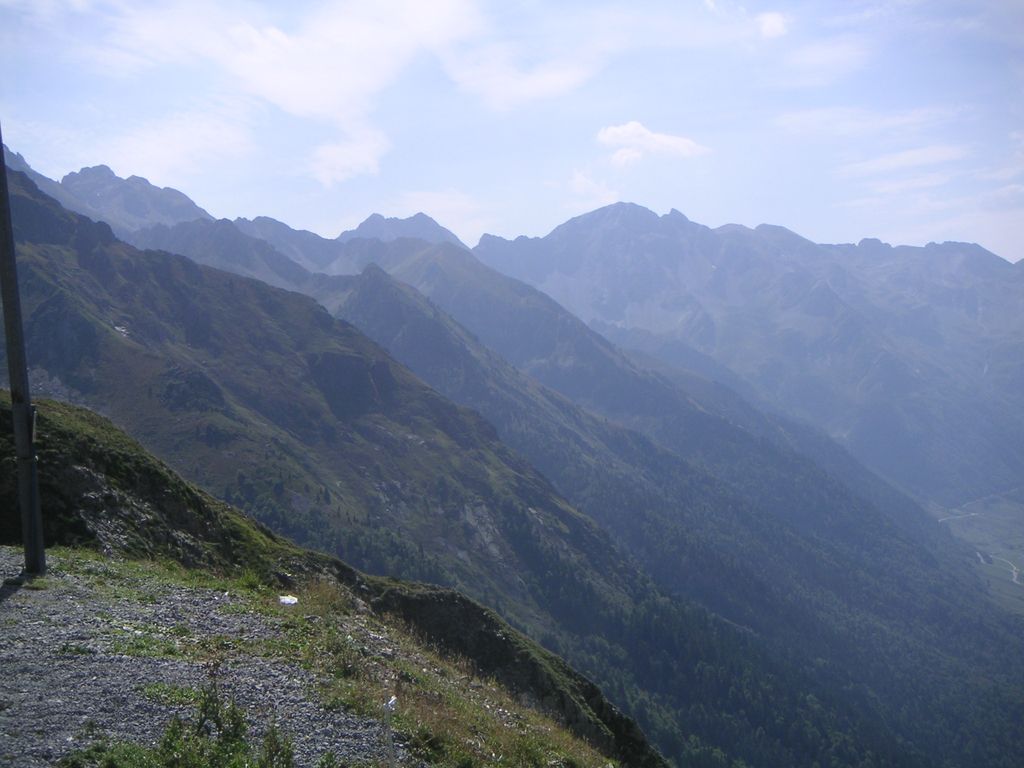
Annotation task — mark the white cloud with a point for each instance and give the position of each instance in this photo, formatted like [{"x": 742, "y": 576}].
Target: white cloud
[
  {"x": 634, "y": 140},
  {"x": 825, "y": 61},
  {"x": 330, "y": 64},
  {"x": 563, "y": 49},
  {"x": 343, "y": 56},
  {"x": 626, "y": 156},
  {"x": 771, "y": 25},
  {"x": 845, "y": 122},
  {"x": 588, "y": 194},
  {"x": 734, "y": 19},
  {"x": 170, "y": 149},
  {"x": 491, "y": 73},
  {"x": 358, "y": 154},
  {"x": 910, "y": 158},
  {"x": 326, "y": 64},
  {"x": 911, "y": 184}
]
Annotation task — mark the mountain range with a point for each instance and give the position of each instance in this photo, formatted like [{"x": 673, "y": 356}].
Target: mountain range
[
  {"x": 802, "y": 571},
  {"x": 913, "y": 358},
  {"x": 259, "y": 395}
]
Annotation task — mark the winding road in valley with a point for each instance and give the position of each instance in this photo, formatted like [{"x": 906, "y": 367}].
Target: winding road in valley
[{"x": 1014, "y": 570}]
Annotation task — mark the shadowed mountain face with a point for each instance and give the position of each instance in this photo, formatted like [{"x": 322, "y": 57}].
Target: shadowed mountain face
[
  {"x": 222, "y": 245},
  {"x": 307, "y": 249},
  {"x": 750, "y": 528},
  {"x": 909, "y": 356},
  {"x": 700, "y": 527},
  {"x": 220, "y": 374},
  {"x": 261, "y": 396}
]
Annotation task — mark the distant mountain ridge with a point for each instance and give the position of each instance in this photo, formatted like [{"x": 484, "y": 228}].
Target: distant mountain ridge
[
  {"x": 125, "y": 204},
  {"x": 223, "y": 245},
  {"x": 418, "y": 227},
  {"x": 911, "y": 357},
  {"x": 132, "y": 203}
]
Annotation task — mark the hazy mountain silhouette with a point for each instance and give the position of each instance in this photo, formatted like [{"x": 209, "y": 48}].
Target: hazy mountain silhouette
[
  {"x": 419, "y": 227},
  {"x": 911, "y": 357},
  {"x": 125, "y": 204}
]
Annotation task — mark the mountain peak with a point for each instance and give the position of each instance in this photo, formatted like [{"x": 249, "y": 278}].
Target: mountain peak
[
  {"x": 92, "y": 172},
  {"x": 624, "y": 211},
  {"x": 14, "y": 161},
  {"x": 128, "y": 205},
  {"x": 625, "y": 216},
  {"x": 873, "y": 243},
  {"x": 418, "y": 227}
]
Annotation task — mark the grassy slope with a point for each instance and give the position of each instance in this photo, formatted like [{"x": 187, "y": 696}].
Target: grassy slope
[{"x": 99, "y": 488}]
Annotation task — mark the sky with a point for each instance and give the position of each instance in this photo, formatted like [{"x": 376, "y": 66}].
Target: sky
[{"x": 902, "y": 120}]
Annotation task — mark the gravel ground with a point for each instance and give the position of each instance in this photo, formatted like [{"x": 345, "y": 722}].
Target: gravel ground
[{"x": 65, "y": 679}]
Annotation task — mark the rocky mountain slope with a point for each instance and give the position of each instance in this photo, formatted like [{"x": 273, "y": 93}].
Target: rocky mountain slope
[{"x": 128, "y": 640}]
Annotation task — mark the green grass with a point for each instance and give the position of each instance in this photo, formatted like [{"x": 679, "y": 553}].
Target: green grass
[
  {"x": 216, "y": 738},
  {"x": 148, "y": 643},
  {"x": 38, "y": 583},
  {"x": 447, "y": 715},
  {"x": 994, "y": 526},
  {"x": 165, "y": 693}
]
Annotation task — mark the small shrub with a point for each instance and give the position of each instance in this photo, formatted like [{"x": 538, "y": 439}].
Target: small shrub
[{"x": 217, "y": 739}]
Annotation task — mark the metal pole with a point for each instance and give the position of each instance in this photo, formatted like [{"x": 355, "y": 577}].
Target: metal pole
[{"x": 23, "y": 413}]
